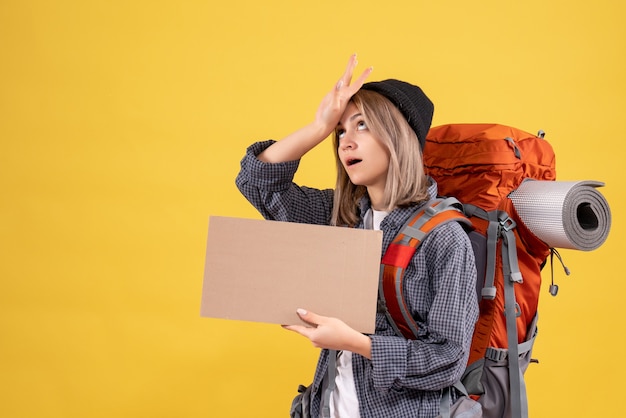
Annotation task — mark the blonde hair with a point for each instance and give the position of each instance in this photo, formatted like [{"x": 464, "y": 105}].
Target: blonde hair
[{"x": 406, "y": 181}]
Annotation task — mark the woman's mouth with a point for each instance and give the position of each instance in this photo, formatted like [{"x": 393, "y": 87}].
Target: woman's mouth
[{"x": 352, "y": 161}]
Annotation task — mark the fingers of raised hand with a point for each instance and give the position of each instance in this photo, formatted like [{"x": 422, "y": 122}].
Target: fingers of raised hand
[
  {"x": 361, "y": 80},
  {"x": 346, "y": 78},
  {"x": 347, "y": 74}
]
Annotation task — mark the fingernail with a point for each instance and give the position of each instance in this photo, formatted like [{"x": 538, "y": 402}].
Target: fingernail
[{"x": 301, "y": 311}]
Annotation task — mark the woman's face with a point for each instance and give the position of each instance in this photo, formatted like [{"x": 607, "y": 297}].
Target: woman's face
[{"x": 362, "y": 155}]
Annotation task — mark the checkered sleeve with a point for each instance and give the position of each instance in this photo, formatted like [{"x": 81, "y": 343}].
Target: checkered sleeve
[
  {"x": 269, "y": 187},
  {"x": 440, "y": 291}
]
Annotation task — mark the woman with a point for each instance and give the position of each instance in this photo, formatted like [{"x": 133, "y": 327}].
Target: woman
[{"x": 379, "y": 131}]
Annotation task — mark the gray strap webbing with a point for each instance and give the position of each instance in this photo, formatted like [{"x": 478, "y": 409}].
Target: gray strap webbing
[
  {"x": 446, "y": 399},
  {"x": 331, "y": 373},
  {"x": 489, "y": 289},
  {"x": 507, "y": 224},
  {"x": 519, "y": 407},
  {"x": 461, "y": 388},
  {"x": 499, "y": 354},
  {"x": 414, "y": 231},
  {"x": 444, "y": 405}
]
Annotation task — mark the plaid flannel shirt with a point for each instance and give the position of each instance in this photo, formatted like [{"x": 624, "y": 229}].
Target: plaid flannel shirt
[{"x": 404, "y": 378}]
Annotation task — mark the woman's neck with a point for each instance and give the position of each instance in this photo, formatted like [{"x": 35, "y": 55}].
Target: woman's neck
[{"x": 376, "y": 198}]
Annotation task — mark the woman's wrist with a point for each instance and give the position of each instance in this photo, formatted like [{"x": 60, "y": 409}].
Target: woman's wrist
[
  {"x": 363, "y": 346},
  {"x": 320, "y": 130}
]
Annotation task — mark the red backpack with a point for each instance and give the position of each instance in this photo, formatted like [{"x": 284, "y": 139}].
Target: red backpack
[{"x": 479, "y": 165}]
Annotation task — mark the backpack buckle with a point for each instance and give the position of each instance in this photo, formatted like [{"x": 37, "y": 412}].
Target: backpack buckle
[
  {"x": 507, "y": 224},
  {"x": 431, "y": 211},
  {"x": 496, "y": 354}
]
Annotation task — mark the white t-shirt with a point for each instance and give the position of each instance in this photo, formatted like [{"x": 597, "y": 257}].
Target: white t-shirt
[{"x": 344, "y": 402}]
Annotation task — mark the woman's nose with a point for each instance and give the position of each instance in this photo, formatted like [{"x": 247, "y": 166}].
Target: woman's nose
[{"x": 347, "y": 142}]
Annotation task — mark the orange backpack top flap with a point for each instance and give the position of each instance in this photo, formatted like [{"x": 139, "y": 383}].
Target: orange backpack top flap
[{"x": 483, "y": 163}]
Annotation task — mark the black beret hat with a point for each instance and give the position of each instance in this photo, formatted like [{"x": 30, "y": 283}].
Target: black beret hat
[{"x": 410, "y": 100}]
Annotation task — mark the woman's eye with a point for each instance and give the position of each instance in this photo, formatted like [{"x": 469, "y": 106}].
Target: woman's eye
[
  {"x": 340, "y": 133},
  {"x": 361, "y": 125}
]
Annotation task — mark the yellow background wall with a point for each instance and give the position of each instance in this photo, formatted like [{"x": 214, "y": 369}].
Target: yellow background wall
[{"x": 121, "y": 128}]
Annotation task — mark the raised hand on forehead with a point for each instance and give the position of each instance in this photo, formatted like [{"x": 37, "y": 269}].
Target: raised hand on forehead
[{"x": 335, "y": 102}]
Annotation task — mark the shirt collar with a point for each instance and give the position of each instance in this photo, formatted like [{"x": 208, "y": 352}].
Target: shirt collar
[{"x": 398, "y": 215}]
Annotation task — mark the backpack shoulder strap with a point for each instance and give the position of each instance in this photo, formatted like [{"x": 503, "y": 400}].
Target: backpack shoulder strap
[{"x": 399, "y": 254}]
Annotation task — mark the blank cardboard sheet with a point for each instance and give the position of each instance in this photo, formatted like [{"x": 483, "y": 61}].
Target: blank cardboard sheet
[{"x": 262, "y": 271}]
